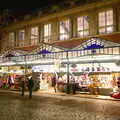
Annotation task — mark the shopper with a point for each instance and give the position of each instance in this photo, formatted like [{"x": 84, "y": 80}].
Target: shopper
[
  {"x": 73, "y": 85},
  {"x": 30, "y": 86},
  {"x": 118, "y": 82},
  {"x": 22, "y": 87},
  {"x": 54, "y": 83},
  {"x": 9, "y": 81}
]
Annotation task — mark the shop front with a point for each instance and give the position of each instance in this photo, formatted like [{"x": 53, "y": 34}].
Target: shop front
[
  {"x": 92, "y": 66},
  {"x": 96, "y": 78},
  {"x": 43, "y": 74},
  {"x": 12, "y": 76}
]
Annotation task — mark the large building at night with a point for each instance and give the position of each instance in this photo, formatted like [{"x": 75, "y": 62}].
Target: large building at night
[{"x": 82, "y": 41}]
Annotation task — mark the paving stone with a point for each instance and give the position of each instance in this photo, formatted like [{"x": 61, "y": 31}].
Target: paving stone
[{"x": 16, "y": 107}]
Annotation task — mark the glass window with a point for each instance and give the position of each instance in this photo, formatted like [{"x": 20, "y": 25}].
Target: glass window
[
  {"x": 64, "y": 29},
  {"x": 21, "y": 35},
  {"x": 106, "y": 21},
  {"x": 116, "y": 50},
  {"x": 12, "y": 39},
  {"x": 82, "y": 26},
  {"x": 34, "y": 35},
  {"x": 47, "y": 33}
]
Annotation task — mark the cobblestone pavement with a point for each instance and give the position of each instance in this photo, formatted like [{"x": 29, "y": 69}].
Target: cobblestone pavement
[{"x": 15, "y": 107}]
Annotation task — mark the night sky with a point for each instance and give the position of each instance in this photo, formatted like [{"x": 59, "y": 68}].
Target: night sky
[{"x": 20, "y": 8}]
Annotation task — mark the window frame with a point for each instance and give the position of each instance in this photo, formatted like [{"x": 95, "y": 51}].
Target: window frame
[
  {"x": 34, "y": 35},
  {"x": 106, "y": 27},
  {"x": 47, "y": 37},
  {"x": 84, "y": 24},
  {"x": 64, "y": 35}
]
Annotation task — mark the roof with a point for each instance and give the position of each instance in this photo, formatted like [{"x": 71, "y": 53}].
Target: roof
[
  {"x": 28, "y": 48},
  {"x": 73, "y": 43},
  {"x": 111, "y": 37},
  {"x": 70, "y": 44}
]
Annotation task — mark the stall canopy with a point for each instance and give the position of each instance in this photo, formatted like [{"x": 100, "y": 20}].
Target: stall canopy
[
  {"x": 95, "y": 43},
  {"x": 13, "y": 53},
  {"x": 45, "y": 48}
]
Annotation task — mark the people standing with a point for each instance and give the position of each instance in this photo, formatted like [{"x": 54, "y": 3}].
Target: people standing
[
  {"x": 54, "y": 83},
  {"x": 118, "y": 82},
  {"x": 30, "y": 86},
  {"x": 22, "y": 87},
  {"x": 73, "y": 85},
  {"x": 9, "y": 81}
]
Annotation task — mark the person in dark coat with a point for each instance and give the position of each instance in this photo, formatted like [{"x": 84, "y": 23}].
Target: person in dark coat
[
  {"x": 9, "y": 81},
  {"x": 22, "y": 87},
  {"x": 54, "y": 82},
  {"x": 30, "y": 86}
]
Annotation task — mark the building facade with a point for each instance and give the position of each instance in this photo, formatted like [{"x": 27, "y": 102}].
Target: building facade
[{"x": 82, "y": 41}]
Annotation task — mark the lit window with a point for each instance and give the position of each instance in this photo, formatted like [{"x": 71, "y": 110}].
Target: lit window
[
  {"x": 47, "y": 33},
  {"x": 106, "y": 22},
  {"x": 21, "y": 38},
  {"x": 21, "y": 35},
  {"x": 64, "y": 29},
  {"x": 82, "y": 26},
  {"x": 34, "y": 35}
]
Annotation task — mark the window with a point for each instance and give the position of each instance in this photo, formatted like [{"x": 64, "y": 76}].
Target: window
[
  {"x": 12, "y": 39},
  {"x": 82, "y": 26},
  {"x": 21, "y": 37},
  {"x": 34, "y": 35},
  {"x": 64, "y": 29},
  {"x": 106, "y": 21},
  {"x": 47, "y": 33}
]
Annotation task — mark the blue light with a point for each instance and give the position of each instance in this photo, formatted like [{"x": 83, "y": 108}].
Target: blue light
[
  {"x": 44, "y": 51},
  {"x": 93, "y": 46}
]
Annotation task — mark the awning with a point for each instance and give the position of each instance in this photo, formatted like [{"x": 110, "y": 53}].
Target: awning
[{"x": 13, "y": 53}]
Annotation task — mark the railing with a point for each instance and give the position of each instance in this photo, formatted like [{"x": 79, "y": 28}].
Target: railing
[{"x": 63, "y": 54}]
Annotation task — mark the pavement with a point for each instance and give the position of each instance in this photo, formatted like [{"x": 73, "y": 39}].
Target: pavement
[
  {"x": 81, "y": 95},
  {"x": 47, "y": 105},
  {"x": 51, "y": 93}
]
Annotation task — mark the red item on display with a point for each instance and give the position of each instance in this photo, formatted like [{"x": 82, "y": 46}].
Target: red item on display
[{"x": 116, "y": 95}]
